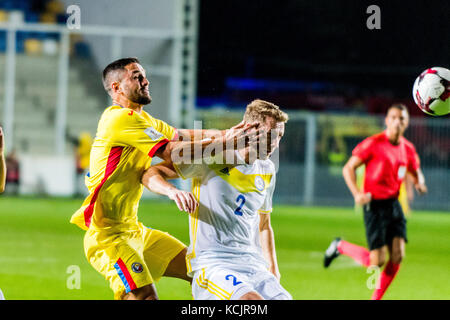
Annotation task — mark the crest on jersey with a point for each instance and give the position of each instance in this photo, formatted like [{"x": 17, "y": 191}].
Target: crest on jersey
[
  {"x": 401, "y": 172},
  {"x": 153, "y": 133},
  {"x": 225, "y": 170},
  {"x": 259, "y": 183},
  {"x": 137, "y": 267}
]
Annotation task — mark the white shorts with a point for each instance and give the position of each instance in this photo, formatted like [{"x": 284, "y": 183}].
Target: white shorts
[{"x": 231, "y": 283}]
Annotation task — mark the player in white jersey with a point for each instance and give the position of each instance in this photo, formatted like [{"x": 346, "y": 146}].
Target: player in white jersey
[{"x": 232, "y": 249}]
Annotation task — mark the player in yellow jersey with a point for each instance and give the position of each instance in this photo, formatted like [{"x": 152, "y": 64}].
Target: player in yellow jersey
[
  {"x": 2, "y": 163},
  {"x": 129, "y": 255}
]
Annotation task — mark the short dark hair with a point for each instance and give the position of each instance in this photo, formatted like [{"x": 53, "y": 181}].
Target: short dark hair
[
  {"x": 119, "y": 64},
  {"x": 399, "y": 106}
]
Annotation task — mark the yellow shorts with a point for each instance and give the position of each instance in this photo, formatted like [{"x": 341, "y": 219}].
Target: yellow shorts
[{"x": 131, "y": 260}]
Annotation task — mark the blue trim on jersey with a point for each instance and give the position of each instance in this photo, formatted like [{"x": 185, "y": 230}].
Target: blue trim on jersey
[{"x": 123, "y": 278}]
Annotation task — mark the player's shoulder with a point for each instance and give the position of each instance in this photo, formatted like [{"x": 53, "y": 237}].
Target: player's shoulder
[
  {"x": 118, "y": 115},
  {"x": 117, "y": 112},
  {"x": 152, "y": 120},
  {"x": 408, "y": 144},
  {"x": 378, "y": 137},
  {"x": 370, "y": 141}
]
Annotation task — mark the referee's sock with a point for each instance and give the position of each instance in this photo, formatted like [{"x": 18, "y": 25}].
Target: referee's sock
[
  {"x": 360, "y": 254},
  {"x": 386, "y": 277}
]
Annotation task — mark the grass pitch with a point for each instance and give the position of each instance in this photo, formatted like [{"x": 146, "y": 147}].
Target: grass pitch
[{"x": 39, "y": 249}]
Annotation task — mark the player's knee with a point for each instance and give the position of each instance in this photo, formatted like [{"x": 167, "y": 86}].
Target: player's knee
[
  {"x": 377, "y": 261},
  {"x": 252, "y": 295},
  {"x": 151, "y": 297},
  {"x": 397, "y": 257},
  {"x": 177, "y": 267}
]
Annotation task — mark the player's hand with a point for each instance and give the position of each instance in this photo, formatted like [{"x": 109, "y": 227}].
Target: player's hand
[
  {"x": 184, "y": 200},
  {"x": 363, "y": 198},
  {"x": 242, "y": 134},
  {"x": 2, "y": 143},
  {"x": 421, "y": 188}
]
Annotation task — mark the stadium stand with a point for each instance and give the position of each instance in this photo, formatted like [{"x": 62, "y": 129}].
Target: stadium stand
[{"x": 36, "y": 92}]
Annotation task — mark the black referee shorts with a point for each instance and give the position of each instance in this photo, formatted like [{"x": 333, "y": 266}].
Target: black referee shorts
[{"x": 384, "y": 220}]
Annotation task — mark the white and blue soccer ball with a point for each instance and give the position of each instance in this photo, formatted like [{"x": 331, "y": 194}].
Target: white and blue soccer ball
[{"x": 431, "y": 91}]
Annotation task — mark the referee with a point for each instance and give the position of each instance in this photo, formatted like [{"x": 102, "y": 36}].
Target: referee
[{"x": 387, "y": 157}]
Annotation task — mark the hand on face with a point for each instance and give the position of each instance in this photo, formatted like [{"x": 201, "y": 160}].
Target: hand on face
[{"x": 269, "y": 140}]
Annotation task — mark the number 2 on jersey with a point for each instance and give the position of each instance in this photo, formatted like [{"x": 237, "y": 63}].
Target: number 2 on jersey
[
  {"x": 240, "y": 199},
  {"x": 235, "y": 282}
]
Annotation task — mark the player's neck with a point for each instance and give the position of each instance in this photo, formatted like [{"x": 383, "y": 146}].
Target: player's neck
[
  {"x": 245, "y": 154},
  {"x": 125, "y": 103},
  {"x": 393, "y": 137}
]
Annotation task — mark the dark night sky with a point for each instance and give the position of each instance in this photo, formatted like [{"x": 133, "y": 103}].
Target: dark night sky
[{"x": 321, "y": 40}]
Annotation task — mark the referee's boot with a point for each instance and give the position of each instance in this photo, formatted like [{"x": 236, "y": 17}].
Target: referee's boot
[{"x": 331, "y": 253}]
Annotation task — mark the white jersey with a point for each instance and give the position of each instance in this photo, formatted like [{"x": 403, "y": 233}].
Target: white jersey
[{"x": 225, "y": 226}]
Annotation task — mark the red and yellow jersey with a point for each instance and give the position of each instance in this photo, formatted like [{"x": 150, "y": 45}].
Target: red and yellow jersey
[{"x": 122, "y": 150}]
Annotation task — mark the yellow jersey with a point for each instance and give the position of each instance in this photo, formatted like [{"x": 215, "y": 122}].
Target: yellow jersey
[{"x": 122, "y": 150}]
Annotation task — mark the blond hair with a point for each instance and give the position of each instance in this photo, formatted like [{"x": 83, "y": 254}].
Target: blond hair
[{"x": 259, "y": 110}]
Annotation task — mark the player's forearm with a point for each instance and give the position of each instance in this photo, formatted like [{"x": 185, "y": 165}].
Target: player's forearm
[
  {"x": 420, "y": 177},
  {"x": 200, "y": 134},
  {"x": 349, "y": 174},
  {"x": 2, "y": 172},
  {"x": 155, "y": 178},
  {"x": 237, "y": 137},
  {"x": 267, "y": 241},
  {"x": 156, "y": 182},
  {"x": 181, "y": 151}
]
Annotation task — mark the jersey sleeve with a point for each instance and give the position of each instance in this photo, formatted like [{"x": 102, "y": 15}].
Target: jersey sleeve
[
  {"x": 170, "y": 132},
  {"x": 364, "y": 150},
  {"x": 267, "y": 205},
  {"x": 128, "y": 128}
]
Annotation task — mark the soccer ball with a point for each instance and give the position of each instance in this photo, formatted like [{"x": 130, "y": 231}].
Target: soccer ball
[{"x": 431, "y": 91}]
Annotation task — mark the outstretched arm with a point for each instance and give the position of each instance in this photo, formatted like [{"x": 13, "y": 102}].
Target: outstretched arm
[
  {"x": 155, "y": 179},
  {"x": 2, "y": 163},
  {"x": 267, "y": 241},
  {"x": 234, "y": 138},
  {"x": 200, "y": 134}
]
